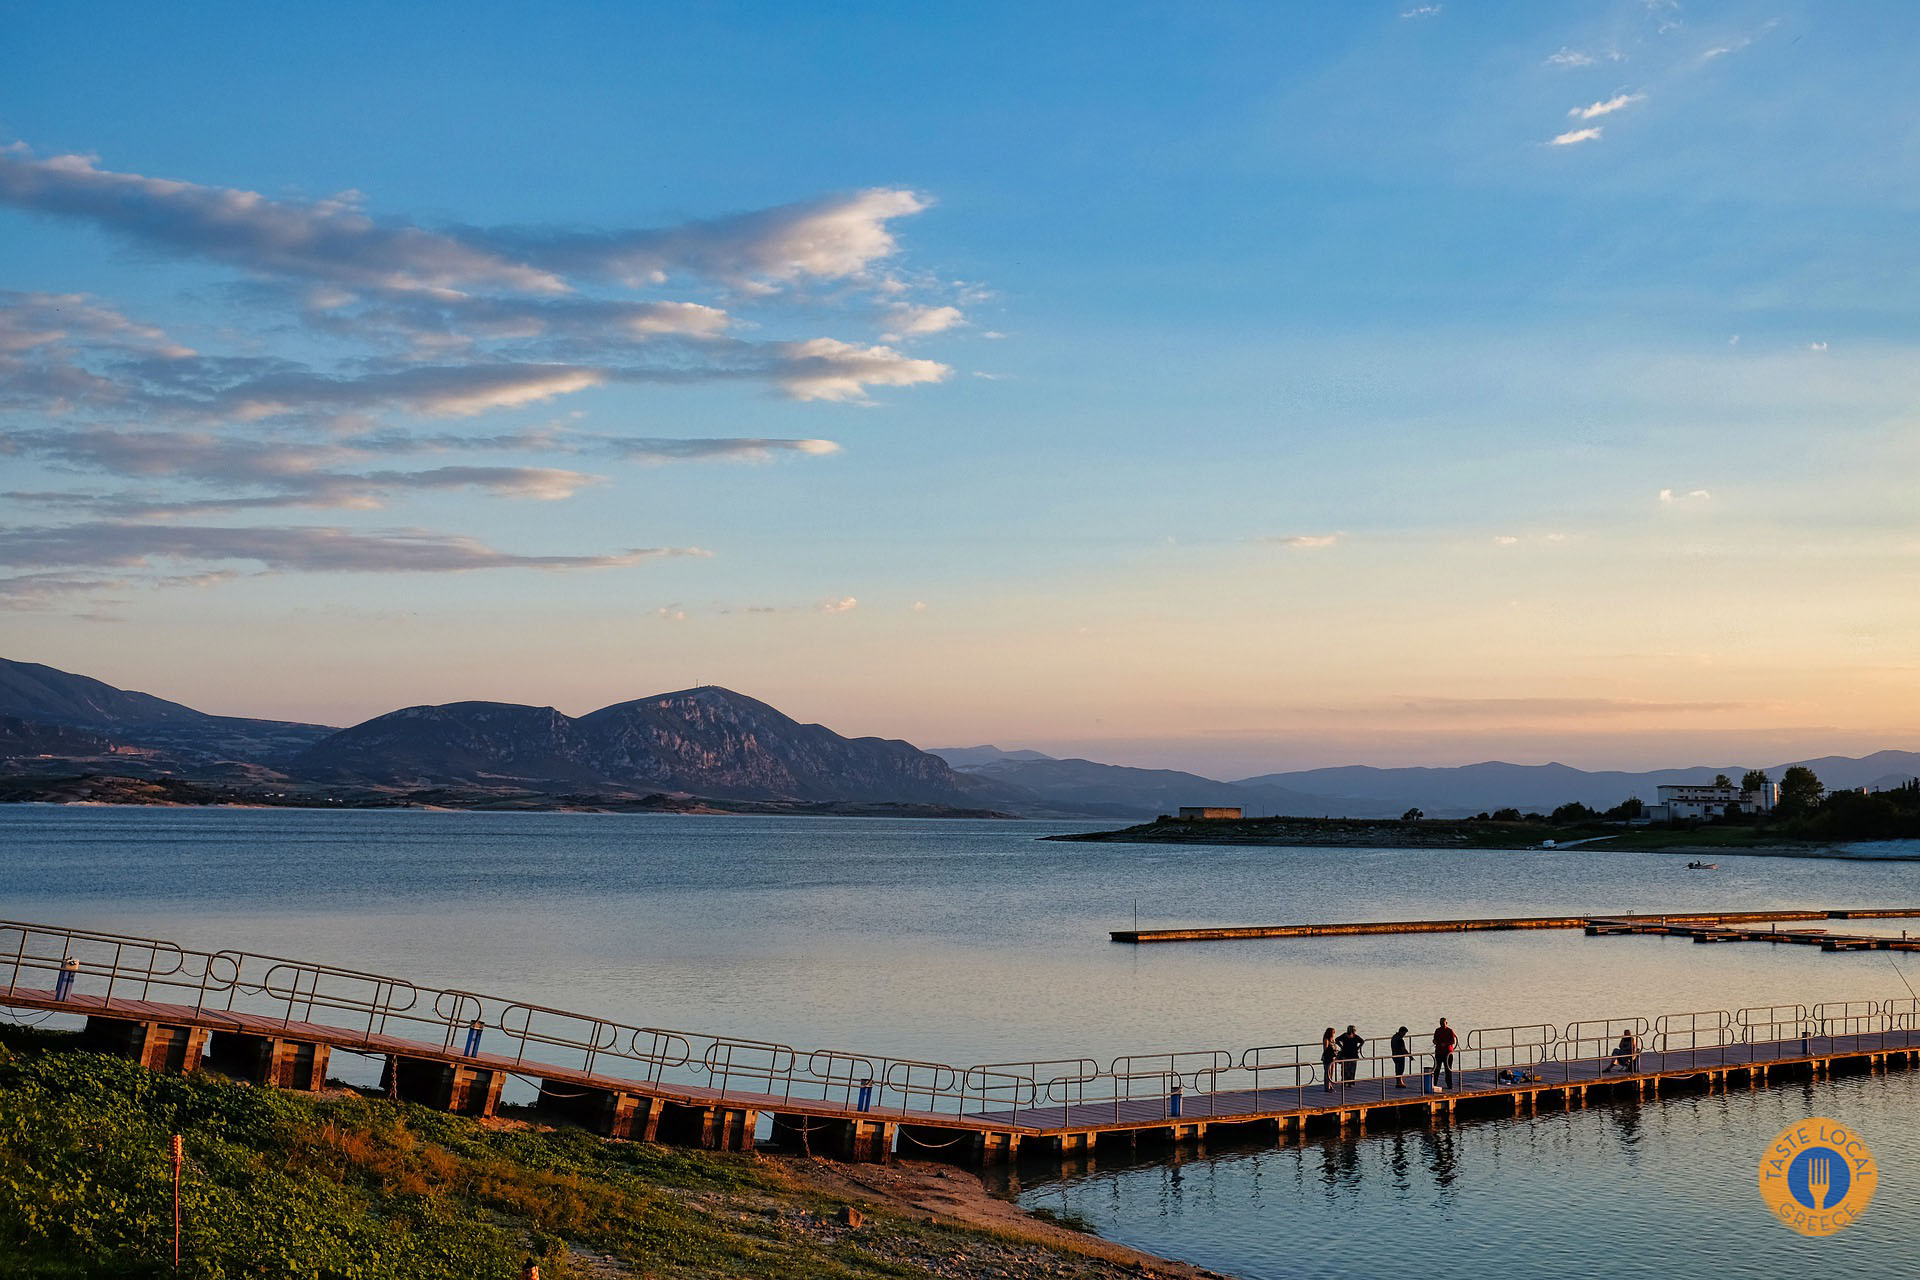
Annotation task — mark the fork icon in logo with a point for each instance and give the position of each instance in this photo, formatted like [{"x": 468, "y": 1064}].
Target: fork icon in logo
[
  {"x": 1819, "y": 1180},
  {"x": 1817, "y": 1177}
]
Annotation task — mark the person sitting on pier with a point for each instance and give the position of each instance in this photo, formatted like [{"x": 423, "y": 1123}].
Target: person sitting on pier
[
  {"x": 1626, "y": 1054},
  {"x": 1444, "y": 1039},
  {"x": 1350, "y": 1044},
  {"x": 1327, "y": 1054},
  {"x": 1400, "y": 1056}
]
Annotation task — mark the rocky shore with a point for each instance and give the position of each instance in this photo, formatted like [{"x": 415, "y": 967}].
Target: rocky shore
[{"x": 97, "y": 788}]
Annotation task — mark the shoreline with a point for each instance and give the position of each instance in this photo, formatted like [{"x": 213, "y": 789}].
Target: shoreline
[
  {"x": 950, "y": 1194},
  {"x": 123, "y": 791},
  {"x": 418, "y": 1193},
  {"x": 1479, "y": 836}
]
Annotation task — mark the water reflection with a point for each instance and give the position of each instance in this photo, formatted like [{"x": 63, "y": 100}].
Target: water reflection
[
  {"x": 975, "y": 942},
  {"x": 1442, "y": 1158},
  {"x": 1646, "y": 1186},
  {"x": 1340, "y": 1165},
  {"x": 1398, "y": 1162}
]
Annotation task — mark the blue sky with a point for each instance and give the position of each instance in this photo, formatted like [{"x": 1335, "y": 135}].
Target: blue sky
[{"x": 1228, "y": 387}]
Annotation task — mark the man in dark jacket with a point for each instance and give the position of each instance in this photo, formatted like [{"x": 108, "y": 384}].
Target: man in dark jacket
[
  {"x": 1444, "y": 1040},
  {"x": 1349, "y": 1045},
  {"x": 1400, "y": 1056}
]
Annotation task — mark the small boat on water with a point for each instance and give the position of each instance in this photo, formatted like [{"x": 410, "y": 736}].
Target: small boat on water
[{"x": 1703, "y": 866}]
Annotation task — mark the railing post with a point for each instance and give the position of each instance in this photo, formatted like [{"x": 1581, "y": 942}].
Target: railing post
[{"x": 113, "y": 975}]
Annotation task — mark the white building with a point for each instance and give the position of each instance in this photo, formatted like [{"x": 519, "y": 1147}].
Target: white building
[{"x": 1678, "y": 804}]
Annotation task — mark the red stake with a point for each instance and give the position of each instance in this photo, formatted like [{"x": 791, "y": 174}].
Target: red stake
[{"x": 177, "y": 1156}]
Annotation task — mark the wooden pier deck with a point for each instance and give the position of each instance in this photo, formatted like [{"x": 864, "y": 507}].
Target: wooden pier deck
[
  {"x": 1357, "y": 928},
  {"x": 1705, "y": 933},
  {"x": 167, "y": 1007}
]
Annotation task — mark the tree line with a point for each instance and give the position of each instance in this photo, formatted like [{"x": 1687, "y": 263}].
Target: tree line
[{"x": 1803, "y": 810}]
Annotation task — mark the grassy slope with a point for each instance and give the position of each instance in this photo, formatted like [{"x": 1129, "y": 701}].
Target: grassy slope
[{"x": 341, "y": 1185}]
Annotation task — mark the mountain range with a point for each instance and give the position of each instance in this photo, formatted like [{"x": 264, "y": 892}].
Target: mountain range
[
  {"x": 1363, "y": 791},
  {"x": 713, "y": 744},
  {"x": 41, "y": 695},
  {"x": 709, "y": 742}
]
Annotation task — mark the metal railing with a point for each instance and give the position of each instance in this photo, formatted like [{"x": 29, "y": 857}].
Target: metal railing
[
  {"x": 1771, "y": 1023},
  {"x": 370, "y": 1012}
]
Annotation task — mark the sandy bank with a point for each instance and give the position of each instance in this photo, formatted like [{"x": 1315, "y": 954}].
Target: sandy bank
[{"x": 932, "y": 1192}]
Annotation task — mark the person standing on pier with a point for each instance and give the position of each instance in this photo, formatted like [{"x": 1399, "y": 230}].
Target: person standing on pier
[
  {"x": 1327, "y": 1055},
  {"x": 1400, "y": 1055},
  {"x": 1444, "y": 1039},
  {"x": 1350, "y": 1052},
  {"x": 69, "y": 970}
]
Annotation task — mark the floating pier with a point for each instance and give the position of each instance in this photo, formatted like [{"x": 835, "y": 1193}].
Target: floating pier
[
  {"x": 276, "y": 1021},
  {"x": 1826, "y": 941},
  {"x": 1497, "y": 923}
]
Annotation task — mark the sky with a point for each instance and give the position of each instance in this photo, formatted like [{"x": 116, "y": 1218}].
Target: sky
[{"x": 1236, "y": 387}]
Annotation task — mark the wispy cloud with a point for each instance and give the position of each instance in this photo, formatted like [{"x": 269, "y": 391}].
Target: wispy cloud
[
  {"x": 260, "y": 473},
  {"x": 739, "y": 449},
  {"x": 285, "y": 548},
  {"x": 1569, "y": 58},
  {"x": 1557, "y": 707},
  {"x": 337, "y": 241},
  {"x": 918, "y": 321},
  {"x": 1671, "y": 496},
  {"x": 1736, "y": 45},
  {"x": 832, "y": 604},
  {"x": 1422, "y": 11},
  {"x": 331, "y": 240},
  {"x": 452, "y": 321},
  {"x": 39, "y": 320},
  {"x": 1573, "y": 136},
  {"x": 1307, "y": 541},
  {"x": 830, "y": 238},
  {"x": 828, "y": 369},
  {"x": 1607, "y": 106}
]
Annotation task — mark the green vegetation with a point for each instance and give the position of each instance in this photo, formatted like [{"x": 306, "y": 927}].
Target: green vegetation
[
  {"x": 347, "y": 1187},
  {"x": 1805, "y": 814}
]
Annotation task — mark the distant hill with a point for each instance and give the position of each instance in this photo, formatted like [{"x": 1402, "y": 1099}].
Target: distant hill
[
  {"x": 49, "y": 696},
  {"x": 1118, "y": 791},
  {"x": 707, "y": 741},
  {"x": 971, "y": 758},
  {"x": 1475, "y": 788},
  {"x": 24, "y": 743}
]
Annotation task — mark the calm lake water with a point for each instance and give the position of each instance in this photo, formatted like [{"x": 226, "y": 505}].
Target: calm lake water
[{"x": 974, "y": 942}]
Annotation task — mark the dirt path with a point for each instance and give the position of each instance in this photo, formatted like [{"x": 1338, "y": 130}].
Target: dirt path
[{"x": 944, "y": 1193}]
